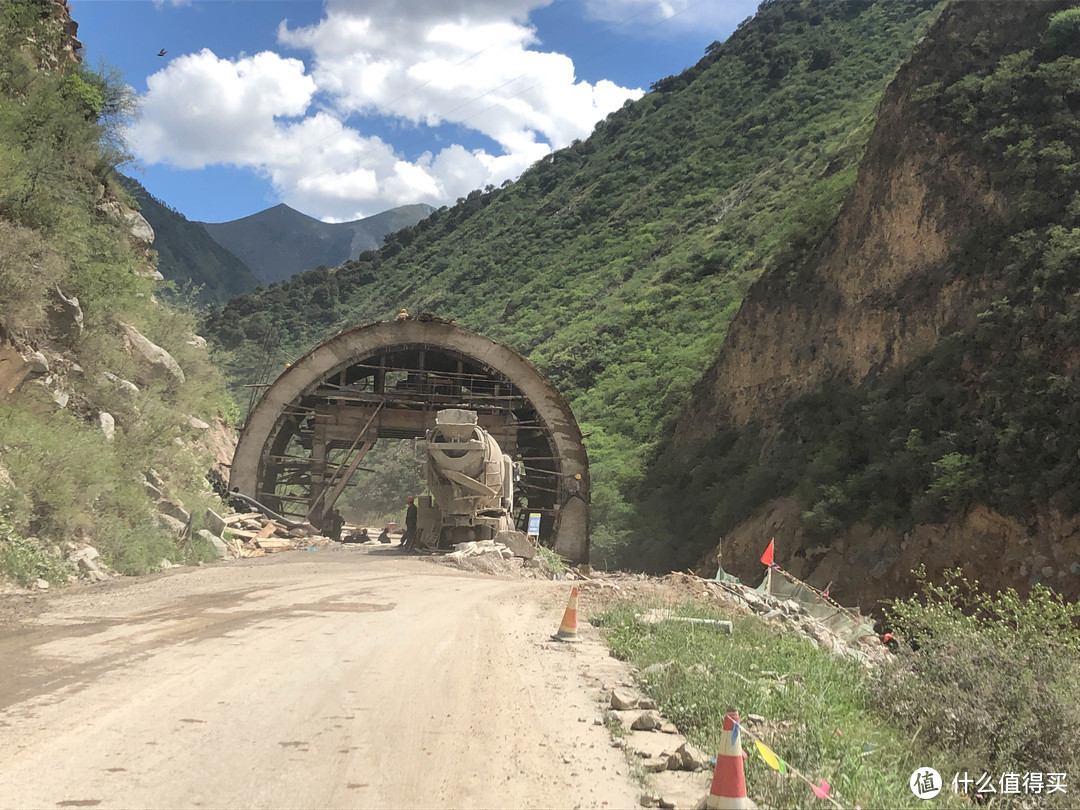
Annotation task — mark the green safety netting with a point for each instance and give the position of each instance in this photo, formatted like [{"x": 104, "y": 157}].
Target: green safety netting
[{"x": 847, "y": 623}]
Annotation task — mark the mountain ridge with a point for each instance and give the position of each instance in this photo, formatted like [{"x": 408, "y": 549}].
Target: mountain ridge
[
  {"x": 187, "y": 254},
  {"x": 280, "y": 241}
]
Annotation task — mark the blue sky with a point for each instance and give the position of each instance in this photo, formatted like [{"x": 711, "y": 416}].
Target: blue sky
[{"x": 346, "y": 108}]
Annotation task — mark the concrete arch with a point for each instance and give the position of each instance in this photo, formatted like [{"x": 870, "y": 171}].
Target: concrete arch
[{"x": 332, "y": 385}]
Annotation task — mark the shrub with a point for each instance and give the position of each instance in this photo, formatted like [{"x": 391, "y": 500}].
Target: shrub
[
  {"x": 27, "y": 559},
  {"x": 550, "y": 562},
  {"x": 28, "y": 268},
  {"x": 991, "y": 677},
  {"x": 1063, "y": 33}
]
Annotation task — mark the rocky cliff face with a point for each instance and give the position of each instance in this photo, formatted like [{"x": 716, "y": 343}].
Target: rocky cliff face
[
  {"x": 891, "y": 276},
  {"x": 898, "y": 271}
]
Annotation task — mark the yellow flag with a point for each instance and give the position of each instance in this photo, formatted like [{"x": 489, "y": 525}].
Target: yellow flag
[{"x": 771, "y": 759}]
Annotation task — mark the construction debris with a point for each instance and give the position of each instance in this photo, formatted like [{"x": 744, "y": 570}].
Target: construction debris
[
  {"x": 479, "y": 547},
  {"x": 252, "y": 534}
]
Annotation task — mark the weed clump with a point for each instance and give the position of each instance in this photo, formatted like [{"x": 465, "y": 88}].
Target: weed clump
[
  {"x": 992, "y": 678},
  {"x": 27, "y": 559}
]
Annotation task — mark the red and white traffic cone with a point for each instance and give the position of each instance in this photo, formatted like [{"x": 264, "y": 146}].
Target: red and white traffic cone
[
  {"x": 568, "y": 628},
  {"x": 728, "y": 791}
]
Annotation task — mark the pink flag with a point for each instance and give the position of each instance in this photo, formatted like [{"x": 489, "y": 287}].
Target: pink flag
[{"x": 822, "y": 790}]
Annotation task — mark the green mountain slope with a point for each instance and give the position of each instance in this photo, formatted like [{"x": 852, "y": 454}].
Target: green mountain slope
[
  {"x": 102, "y": 386},
  {"x": 279, "y": 242},
  {"x": 187, "y": 254},
  {"x": 617, "y": 263},
  {"x": 917, "y": 396}
]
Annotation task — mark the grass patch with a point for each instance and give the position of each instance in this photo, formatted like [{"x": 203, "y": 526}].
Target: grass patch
[
  {"x": 26, "y": 560},
  {"x": 819, "y": 709}
]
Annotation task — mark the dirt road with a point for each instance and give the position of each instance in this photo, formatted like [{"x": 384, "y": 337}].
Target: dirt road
[{"x": 338, "y": 678}]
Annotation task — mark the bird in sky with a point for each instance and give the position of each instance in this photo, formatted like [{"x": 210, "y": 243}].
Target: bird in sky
[{"x": 161, "y": 52}]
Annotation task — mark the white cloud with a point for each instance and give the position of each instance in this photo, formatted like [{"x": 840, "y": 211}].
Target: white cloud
[
  {"x": 464, "y": 62},
  {"x": 469, "y": 63},
  {"x": 201, "y": 109},
  {"x": 653, "y": 17}
]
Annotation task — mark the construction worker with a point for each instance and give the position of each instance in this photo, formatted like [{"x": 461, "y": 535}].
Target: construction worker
[
  {"x": 408, "y": 537},
  {"x": 332, "y": 524}
]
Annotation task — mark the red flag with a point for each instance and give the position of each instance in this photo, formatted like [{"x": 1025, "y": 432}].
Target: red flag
[{"x": 767, "y": 557}]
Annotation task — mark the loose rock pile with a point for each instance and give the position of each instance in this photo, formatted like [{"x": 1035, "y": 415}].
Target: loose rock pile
[
  {"x": 478, "y": 548},
  {"x": 653, "y": 740},
  {"x": 867, "y": 649},
  {"x": 88, "y": 562}
]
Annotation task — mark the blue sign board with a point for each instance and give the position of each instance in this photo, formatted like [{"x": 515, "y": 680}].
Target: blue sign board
[{"x": 534, "y": 524}]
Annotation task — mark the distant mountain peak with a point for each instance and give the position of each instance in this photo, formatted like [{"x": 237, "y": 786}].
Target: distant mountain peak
[{"x": 280, "y": 241}]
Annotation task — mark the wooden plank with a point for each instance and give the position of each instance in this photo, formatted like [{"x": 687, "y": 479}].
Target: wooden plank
[
  {"x": 266, "y": 531},
  {"x": 270, "y": 545},
  {"x": 236, "y": 517},
  {"x": 241, "y": 532}
]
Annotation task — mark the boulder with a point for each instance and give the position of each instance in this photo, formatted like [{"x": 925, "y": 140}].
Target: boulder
[
  {"x": 161, "y": 364},
  {"x": 219, "y": 545},
  {"x": 214, "y": 522},
  {"x": 108, "y": 425},
  {"x": 171, "y": 524},
  {"x": 147, "y": 270},
  {"x": 84, "y": 553},
  {"x": 66, "y": 314},
  {"x": 139, "y": 228},
  {"x": 123, "y": 385},
  {"x": 690, "y": 758},
  {"x": 518, "y": 542},
  {"x": 38, "y": 363},
  {"x": 623, "y": 698},
  {"x": 197, "y": 423},
  {"x": 174, "y": 509},
  {"x": 648, "y": 720}
]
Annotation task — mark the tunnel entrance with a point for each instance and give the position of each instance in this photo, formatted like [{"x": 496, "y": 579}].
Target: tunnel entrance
[{"x": 312, "y": 427}]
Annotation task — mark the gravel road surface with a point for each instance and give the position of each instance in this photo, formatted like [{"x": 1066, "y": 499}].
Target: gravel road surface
[{"x": 339, "y": 678}]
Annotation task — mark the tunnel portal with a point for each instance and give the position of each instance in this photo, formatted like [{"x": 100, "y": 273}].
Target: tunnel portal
[{"x": 311, "y": 428}]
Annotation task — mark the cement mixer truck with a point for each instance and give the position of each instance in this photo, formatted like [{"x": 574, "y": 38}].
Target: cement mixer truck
[{"x": 471, "y": 481}]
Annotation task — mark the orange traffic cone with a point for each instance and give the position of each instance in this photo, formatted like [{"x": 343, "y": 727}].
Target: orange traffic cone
[
  {"x": 568, "y": 628},
  {"x": 728, "y": 791}
]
